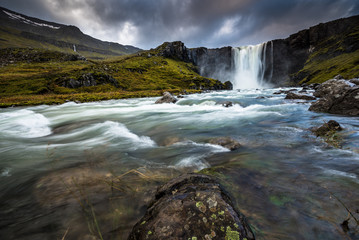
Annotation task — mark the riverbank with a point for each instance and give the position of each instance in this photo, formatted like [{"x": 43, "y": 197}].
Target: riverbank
[{"x": 54, "y": 99}]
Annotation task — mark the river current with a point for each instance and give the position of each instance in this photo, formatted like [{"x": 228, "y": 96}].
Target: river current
[{"x": 113, "y": 154}]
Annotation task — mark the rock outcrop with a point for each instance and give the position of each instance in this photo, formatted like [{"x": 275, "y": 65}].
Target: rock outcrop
[
  {"x": 337, "y": 97},
  {"x": 167, "y": 98},
  {"x": 290, "y": 55},
  {"x": 292, "y": 95},
  {"x": 192, "y": 206},
  {"x": 89, "y": 80},
  {"x": 331, "y": 126}
]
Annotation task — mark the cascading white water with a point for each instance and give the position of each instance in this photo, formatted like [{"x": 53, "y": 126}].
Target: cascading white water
[{"x": 249, "y": 66}]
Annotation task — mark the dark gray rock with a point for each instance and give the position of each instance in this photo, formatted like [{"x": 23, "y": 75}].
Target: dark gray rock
[
  {"x": 192, "y": 206},
  {"x": 291, "y": 95},
  {"x": 227, "y": 104},
  {"x": 332, "y": 87},
  {"x": 338, "y": 97},
  {"x": 89, "y": 80},
  {"x": 284, "y": 91},
  {"x": 226, "y": 142},
  {"x": 354, "y": 81},
  {"x": 228, "y": 85},
  {"x": 167, "y": 98},
  {"x": 331, "y": 126}
]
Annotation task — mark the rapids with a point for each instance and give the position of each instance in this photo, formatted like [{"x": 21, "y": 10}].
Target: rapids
[{"x": 289, "y": 184}]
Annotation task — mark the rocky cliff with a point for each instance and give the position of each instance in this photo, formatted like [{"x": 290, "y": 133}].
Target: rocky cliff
[
  {"x": 311, "y": 55},
  {"x": 318, "y": 53}
]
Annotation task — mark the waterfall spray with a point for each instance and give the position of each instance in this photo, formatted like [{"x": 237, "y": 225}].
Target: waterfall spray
[{"x": 249, "y": 66}]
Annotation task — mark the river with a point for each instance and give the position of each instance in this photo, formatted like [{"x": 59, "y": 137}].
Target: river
[{"x": 87, "y": 171}]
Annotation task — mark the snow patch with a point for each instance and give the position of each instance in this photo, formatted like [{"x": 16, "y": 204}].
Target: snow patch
[{"x": 27, "y": 21}]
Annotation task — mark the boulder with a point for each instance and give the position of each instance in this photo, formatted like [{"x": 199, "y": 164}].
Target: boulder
[
  {"x": 291, "y": 95},
  {"x": 226, "y": 142},
  {"x": 228, "y": 85},
  {"x": 167, "y": 98},
  {"x": 332, "y": 87},
  {"x": 284, "y": 91},
  {"x": 192, "y": 206},
  {"x": 331, "y": 126},
  {"x": 337, "y": 97},
  {"x": 227, "y": 104}
]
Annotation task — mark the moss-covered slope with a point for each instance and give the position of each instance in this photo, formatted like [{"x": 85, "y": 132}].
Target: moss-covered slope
[
  {"x": 335, "y": 51},
  {"x": 37, "y": 76}
]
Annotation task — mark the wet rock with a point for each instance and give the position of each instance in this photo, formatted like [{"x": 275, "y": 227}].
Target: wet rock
[
  {"x": 228, "y": 85},
  {"x": 354, "y": 81},
  {"x": 167, "y": 98},
  {"x": 291, "y": 95},
  {"x": 284, "y": 91},
  {"x": 337, "y": 97},
  {"x": 88, "y": 80},
  {"x": 332, "y": 87},
  {"x": 227, "y": 104},
  {"x": 330, "y": 126},
  {"x": 192, "y": 206},
  {"x": 226, "y": 142}
]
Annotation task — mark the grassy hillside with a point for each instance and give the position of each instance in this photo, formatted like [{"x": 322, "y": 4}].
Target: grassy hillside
[
  {"x": 20, "y": 31},
  {"x": 337, "y": 54},
  {"x": 38, "y": 76}
]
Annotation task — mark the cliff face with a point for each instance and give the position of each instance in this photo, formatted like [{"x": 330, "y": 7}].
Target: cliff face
[
  {"x": 213, "y": 63},
  {"x": 312, "y": 55},
  {"x": 303, "y": 57}
]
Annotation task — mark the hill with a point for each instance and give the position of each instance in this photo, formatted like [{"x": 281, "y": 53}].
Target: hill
[
  {"x": 39, "y": 76},
  {"x": 20, "y": 31}
]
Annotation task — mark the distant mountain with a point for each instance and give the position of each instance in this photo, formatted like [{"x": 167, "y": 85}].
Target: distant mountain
[{"x": 18, "y": 30}]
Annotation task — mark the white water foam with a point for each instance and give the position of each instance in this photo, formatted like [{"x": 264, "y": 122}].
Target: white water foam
[
  {"x": 118, "y": 130},
  {"x": 214, "y": 148},
  {"x": 340, "y": 173},
  {"x": 196, "y": 162},
  {"x": 5, "y": 172},
  {"x": 24, "y": 123}
]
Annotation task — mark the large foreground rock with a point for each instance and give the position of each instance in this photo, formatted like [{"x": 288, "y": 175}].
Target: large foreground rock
[
  {"x": 167, "y": 98},
  {"x": 192, "y": 206},
  {"x": 337, "y": 97}
]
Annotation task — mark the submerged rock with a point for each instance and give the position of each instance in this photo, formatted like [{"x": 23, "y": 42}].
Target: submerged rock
[
  {"x": 192, "y": 206},
  {"x": 227, "y": 104},
  {"x": 167, "y": 98},
  {"x": 328, "y": 132},
  {"x": 330, "y": 126},
  {"x": 337, "y": 97},
  {"x": 226, "y": 142},
  {"x": 291, "y": 95}
]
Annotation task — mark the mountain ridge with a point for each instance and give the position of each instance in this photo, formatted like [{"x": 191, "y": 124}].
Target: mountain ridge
[{"x": 19, "y": 30}]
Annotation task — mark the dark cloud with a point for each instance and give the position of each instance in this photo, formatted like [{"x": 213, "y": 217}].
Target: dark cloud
[{"x": 209, "y": 23}]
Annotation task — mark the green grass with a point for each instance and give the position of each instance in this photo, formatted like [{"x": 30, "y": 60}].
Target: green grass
[
  {"x": 36, "y": 76},
  {"x": 319, "y": 71},
  {"x": 332, "y": 56}
]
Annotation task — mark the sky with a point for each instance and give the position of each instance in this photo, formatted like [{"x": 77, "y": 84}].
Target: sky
[{"x": 198, "y": 23}]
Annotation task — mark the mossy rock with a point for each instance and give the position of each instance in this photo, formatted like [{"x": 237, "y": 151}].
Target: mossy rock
[{"x": 192, "y": 206}]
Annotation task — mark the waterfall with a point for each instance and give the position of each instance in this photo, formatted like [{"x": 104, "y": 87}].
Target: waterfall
[{"x": 249, "y": 66}]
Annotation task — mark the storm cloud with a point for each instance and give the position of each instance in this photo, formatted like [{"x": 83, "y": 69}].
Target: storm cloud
[{"x": 210, "y": 23}]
